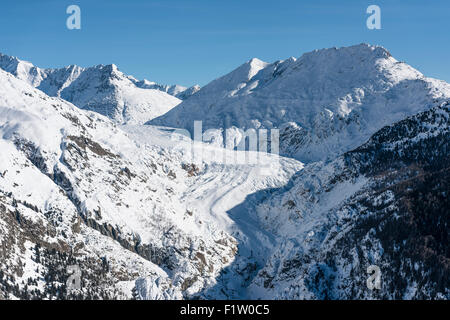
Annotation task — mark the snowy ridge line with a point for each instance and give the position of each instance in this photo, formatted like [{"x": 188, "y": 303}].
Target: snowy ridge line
[
  {"x": 146, "y": 212},
  {"x": 324, "y": 103},
  {"x": 127, "y": 186},
  {"x": 102, "y": 88}
]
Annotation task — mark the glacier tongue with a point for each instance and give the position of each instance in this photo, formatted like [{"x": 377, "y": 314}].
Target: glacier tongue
[{"x": 124, "y": 196}]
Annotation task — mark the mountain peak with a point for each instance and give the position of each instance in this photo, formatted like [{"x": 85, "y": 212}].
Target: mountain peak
[
  {"x": 253, "y": 66},
  {"x": 256, "y": 62},
  {"x": 112, "y": 67},
  {"x": 335, "y": 94},
  {"x": 13, "y": 63},
  {"x": 5, "y": 57}
]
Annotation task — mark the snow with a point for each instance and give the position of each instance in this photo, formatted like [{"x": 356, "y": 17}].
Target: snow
[
  {"x": 177, "y": 218},
  {"x": 103, "y": 89},
  {"x": 337, "y": 98},
  {"x": 150, "y": 204}
]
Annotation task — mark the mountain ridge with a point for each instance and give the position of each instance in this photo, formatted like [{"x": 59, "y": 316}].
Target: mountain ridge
[
  {"x": 324, "y": 103},
  {"x": 143, "y": 218},
  {"x": 120, "y": 202},
  {"x": 102, "y": 88}
]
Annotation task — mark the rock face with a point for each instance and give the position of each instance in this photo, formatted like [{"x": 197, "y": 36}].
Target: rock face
[
  {"x": 136, "y": 213},
  {"x": 103, "y": 89},
  {"x": 325, "y": 103}
]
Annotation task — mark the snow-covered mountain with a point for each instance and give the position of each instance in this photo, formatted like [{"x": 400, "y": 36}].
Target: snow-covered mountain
[
  {"x": 142, "y": 216},
  {"x": 384, "y": 203},
  {"x": 175, "y": 90},
  {"x": 326, "y": 102},
  {"x": 128, "y": 208},
  {"x": 103, "y": 89}
]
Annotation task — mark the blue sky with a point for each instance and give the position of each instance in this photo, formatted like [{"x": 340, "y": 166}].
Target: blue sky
[{"x": 189, "y": 42}]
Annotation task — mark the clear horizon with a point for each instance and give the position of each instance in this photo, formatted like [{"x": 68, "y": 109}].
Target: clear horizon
[{"x": 195, "y": 42}]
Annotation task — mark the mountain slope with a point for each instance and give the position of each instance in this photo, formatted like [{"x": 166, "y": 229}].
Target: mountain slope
[
  {"x": 325, "y": 103},
  {"x": 146, "y": 213},
  {"x": 75, "y": 189},
  {"x": 384, "y": 203},
  {"x": 103, "y": 89}
]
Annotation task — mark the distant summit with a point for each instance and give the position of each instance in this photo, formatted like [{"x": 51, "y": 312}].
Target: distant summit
[
  {"x": 102, "y": 88},
  {"x": 325, "y": 102}
]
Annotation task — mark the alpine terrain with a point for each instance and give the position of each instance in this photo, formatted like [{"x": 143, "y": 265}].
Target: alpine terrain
[
  {"x": 324, "y": 103},
  {"x": 103, "y": 89},
  {"x": 99, "y": 182}
]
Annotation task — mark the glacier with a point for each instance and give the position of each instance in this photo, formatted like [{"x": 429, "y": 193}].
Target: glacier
[{"x": 94, "y": 172}]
